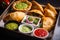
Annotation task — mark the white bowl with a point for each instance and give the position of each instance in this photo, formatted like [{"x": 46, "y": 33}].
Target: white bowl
[
  {"x": 41, "y": 37},
  {"x": 32, "y": 21},
  {"x": 28, "y": 25}
]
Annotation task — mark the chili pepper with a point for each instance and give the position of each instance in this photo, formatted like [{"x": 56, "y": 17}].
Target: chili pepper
[{"x": 7, "y": 2}]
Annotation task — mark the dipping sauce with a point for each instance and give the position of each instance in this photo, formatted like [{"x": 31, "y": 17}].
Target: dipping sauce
[
  {"x": 31, "y": 20},
  {"x": 25, "y": 28},
  {"x": 11, "y": 26},
  {"x": 40, "y": 33},
  {"x": 36, "y": 20}
]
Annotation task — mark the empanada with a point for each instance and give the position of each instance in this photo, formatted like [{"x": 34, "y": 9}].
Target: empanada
[
  {"x": 48, "y": 23},
  {"x": 36, "y": 12},
  {"x": 17, "y": 16},
  {"x": 36, "y": 5},
  {"x": 49, "y": 13},
  {"x": 22, "y": 5},
  {"x": 49, "y": 6}
]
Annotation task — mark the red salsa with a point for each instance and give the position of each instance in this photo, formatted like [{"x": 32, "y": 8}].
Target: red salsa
[{"x": 40, "y": 32}]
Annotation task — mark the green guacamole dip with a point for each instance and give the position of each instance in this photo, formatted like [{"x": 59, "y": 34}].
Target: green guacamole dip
[
  {"x": 30, "y": 18},
  {"x": 21, "y": 5},
  {"x": 25, "y": 28},
  {"x": 36, "y": 21},
  {"x": 11, "y": 26}
]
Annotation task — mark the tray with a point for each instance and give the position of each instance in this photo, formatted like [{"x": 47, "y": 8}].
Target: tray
[
  {"x": 17, "y": 34},
  {"x": 56, "y": 35},
  {"x": 1, "y": 16}
]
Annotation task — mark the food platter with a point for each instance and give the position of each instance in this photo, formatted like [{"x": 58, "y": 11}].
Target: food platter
[{"x": 34, "y": 17}]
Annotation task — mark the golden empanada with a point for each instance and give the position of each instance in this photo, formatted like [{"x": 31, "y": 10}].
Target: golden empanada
[
  {"x": 22, "y": 5},
  {"x": 48, "y": 23},
  {"x": 36, "y": 12},
  {"x": 49, "y": 6},
  {"x": 17, "y": 16},
  {"x": 49, "y": 13},
  {"x": 36, "y": 5}
]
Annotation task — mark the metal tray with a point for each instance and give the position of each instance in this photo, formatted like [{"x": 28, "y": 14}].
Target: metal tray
[
  {"x": 2, "y": 9},
  {"x": 17, "y": 34},
  {"x": 56, "y": 35},
  {"x": 1, "y": 16}
]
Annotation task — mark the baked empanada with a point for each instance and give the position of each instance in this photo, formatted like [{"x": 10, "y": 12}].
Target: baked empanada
[
  {"x": 17, "y": 16},
  {"x": 22, "y": 5},
  {"x": 48, "y": 23},
  {"x": 49, "y": 6},
  {"x": 36, "y": 12},
  {"x": 49, "y": 13},
  {"x": 36, "y": 5}
]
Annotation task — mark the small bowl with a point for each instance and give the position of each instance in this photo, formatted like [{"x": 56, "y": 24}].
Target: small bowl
[
  {"x": 29, "y": 25},
  {"x": 39, "y": 34},
  {"x": 32, "y": 22},
  {"x": 12, "y": 21}
]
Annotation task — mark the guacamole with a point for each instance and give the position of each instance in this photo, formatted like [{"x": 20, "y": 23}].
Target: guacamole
[
  {"x": 21, "y": 5},
  {"x": 25, "y": 28},
  {"x": 11, "y": 26},
  {"x": 36, "y": 21},
  {"x": 30, "y": 18}
]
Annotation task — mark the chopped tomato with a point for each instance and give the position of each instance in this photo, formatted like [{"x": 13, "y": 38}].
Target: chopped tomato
[{"x": 40, "y": 32}]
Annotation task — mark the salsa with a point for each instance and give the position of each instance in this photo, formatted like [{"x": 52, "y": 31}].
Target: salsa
[
  {"x": 40, "y": 32},
  {"x": 11, "y": 26},
  {"x": 21, "y": 5}
]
